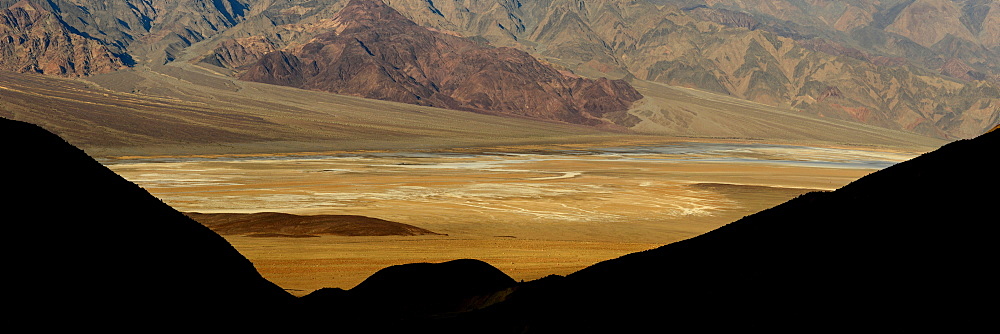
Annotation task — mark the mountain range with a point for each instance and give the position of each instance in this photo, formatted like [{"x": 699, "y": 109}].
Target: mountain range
[{"x": 873, "y": 62}]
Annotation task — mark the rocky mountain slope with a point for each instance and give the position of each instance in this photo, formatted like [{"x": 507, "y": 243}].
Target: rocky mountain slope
[
  {"x": 148, "y": 31},
  {"x": 857, "y": 62},
  {"x": 375, "y": 52},
  {"x": 925, "y": 66},
  {"x": 34, "y": 40}
]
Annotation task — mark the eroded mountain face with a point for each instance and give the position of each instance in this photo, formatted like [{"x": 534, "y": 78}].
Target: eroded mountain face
[
  {"x": 372, "y": 51},
  {"x": 927, "y": 66},
  {"x": 34, "y": 40},
  {"x": 153, "y": 31},
  {"x": 937, "y": 79}
]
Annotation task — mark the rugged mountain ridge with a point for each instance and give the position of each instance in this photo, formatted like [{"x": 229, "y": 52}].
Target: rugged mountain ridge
[
  {"x": 150, "y": 31},
  {"x": 32, "y": 39},
  {"x": 375, "y": 52},
  {"x": 890, "y": 72},
  {"x": 770, "y": 52}
]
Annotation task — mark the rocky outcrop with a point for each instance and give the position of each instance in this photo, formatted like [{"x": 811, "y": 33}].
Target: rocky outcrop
[
  {"x": 958, "y": 69},
  {"x": 240, "y": 52},
  {"x": 375, "y": 52},
  {"x": 725, "y": 17},
  {"x": 33, "y": 40}
]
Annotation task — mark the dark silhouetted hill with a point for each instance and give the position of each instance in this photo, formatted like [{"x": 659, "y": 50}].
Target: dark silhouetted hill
[
  {"x": 87, "y": 249},
  {"x": 905, "y": 249},
  {"x": 399, "y": 295}
]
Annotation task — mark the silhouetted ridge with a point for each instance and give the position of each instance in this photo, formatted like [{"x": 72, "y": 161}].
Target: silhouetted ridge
[
  {"x": 414, "y": 291},
  {"x": 905, "y": 249},
  {"x": 92, "y": 249},
  {"x": 902, "y": 249},
  {"x": 458, "y": 276}
]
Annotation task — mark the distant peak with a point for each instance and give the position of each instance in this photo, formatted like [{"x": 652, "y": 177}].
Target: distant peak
[
  {"x": 25, "y": 5},
  {"x": 367, "y": 13},
  {"x": 32, "y": 10},
  {"x": 368, "y": 10}
]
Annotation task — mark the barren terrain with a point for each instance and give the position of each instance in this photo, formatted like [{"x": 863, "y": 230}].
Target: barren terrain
[
  {"x": 531, "y": 211},
  {"x": 531, "y": 197}
]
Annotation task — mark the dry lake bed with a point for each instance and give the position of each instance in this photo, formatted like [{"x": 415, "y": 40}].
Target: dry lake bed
[{"x": 529, "y": 211}]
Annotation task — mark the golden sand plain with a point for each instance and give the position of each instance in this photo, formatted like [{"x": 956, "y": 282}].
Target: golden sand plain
[{"x": 529, "y": 211}]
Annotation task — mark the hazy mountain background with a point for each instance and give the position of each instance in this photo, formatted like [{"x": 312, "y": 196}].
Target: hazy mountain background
[{"x": 928, "y": 66}]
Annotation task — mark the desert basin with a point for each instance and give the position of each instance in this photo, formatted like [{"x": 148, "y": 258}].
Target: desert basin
[{"x": 531, "y": 211}]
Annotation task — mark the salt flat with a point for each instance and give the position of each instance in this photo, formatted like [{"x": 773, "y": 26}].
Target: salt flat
[{"x": 530, "y": 211}]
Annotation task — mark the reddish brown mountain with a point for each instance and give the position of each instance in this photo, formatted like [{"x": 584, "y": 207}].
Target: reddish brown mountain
[
  {"x": 33, "y": 40},
  {"x": 375, "y": 52}
]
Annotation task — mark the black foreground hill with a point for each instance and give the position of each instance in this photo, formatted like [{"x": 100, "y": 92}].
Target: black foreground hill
[
  {"x": 87, "y": 249},
  {"x": 906, "y": 249}
]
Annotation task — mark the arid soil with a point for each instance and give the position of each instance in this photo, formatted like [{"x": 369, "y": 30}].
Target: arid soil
[{"x": 530, "y": 211}]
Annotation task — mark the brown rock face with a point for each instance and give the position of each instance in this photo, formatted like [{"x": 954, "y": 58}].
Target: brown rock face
[
  {"x": 33, "y": 40},
  {"x": 236, "y": 53},
  {"x": 958, "y": 69},
  {"x": 375, "y": 52}
]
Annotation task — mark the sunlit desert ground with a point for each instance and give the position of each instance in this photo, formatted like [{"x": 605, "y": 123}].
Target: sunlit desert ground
[{"x": 530, "y": 211}]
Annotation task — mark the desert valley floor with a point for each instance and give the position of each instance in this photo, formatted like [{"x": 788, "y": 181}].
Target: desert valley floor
[{"x": 531, "y": 211}]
